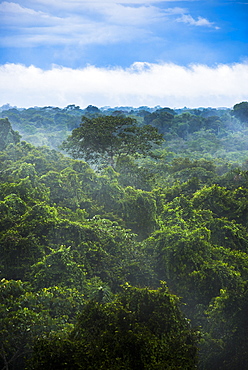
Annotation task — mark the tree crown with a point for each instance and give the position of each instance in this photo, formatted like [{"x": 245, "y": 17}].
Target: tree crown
[{"x": 106, "y": 138}]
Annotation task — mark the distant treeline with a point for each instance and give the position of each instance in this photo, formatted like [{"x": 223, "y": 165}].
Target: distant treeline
[{"x": 204, "y": 132}]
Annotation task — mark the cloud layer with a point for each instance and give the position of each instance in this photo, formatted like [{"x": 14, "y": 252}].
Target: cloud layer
[{"x": 140, "y": 84}]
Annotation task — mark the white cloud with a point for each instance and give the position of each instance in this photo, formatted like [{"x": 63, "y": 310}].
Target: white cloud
[
  {"x": 21, "y": 18},
  {"x": 141, "y": 84},
  {"x": 128, "y": 15},
  {"x": 8, "y": 7},
  {"x": 187, "y": 18}
]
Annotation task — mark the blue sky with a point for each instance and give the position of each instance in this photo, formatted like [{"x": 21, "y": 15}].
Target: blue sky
[{"x": 127, "y": 52}]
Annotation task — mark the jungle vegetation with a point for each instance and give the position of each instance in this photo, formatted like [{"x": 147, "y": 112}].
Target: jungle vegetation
[{"x": 123, "y": 245}]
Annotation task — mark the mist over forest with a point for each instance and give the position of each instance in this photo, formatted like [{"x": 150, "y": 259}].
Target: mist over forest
[{"x": 124, "y": 238}]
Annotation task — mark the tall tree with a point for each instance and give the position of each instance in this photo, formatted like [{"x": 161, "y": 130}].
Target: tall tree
[{"x": 107, "y": 138}]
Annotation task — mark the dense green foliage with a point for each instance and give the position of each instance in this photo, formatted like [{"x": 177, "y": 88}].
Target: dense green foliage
[
  {"x": 141, "y": 329},
  {"x": 84, "y": 251}
]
